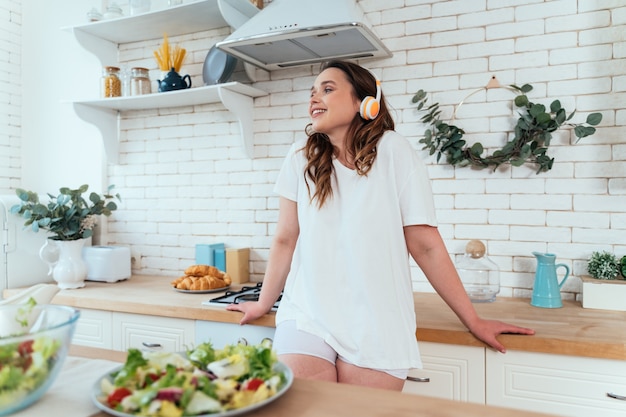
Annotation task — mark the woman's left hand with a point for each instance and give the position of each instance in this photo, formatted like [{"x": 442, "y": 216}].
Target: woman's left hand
[{"x": 488, "y": 330}]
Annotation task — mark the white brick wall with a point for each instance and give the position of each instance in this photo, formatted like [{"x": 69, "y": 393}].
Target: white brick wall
[
  {"x": 10, "y": 94},
  {"x": 185, "y": 181}
]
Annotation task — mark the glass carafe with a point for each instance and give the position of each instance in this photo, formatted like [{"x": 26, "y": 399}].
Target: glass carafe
[{"x": 479, "y": 274}]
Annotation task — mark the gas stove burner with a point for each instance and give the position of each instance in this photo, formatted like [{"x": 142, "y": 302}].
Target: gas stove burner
[
  {"x": 246, "y": 297},
  {"x": 244, "y": 294}
]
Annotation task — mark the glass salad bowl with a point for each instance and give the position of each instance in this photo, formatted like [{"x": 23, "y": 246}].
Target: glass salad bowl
[{"x": 34, "y": 341}]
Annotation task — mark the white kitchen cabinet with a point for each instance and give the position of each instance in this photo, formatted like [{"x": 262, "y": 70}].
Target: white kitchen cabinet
[
  {"x": 94, "y": 328},
  {"x": 557, "y": 384},
  {"x": 121, "y": 331},
  {"x": 151, "y": 332},
  {"x": 449, "y": 371},
  {"x": 222, "y": 334},
  {"x": 102, "y": 39}
]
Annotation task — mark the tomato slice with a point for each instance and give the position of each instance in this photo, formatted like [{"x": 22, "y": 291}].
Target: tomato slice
[
  {"x": 117, "y": 396},
  {"x": 254, "y": 384},
  {"x": 26, "y": 347}
]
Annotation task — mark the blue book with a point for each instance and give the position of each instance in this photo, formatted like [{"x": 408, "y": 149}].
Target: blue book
[
  {"x": 205, "y": 254},
  {"x": 219, "y": 259}
]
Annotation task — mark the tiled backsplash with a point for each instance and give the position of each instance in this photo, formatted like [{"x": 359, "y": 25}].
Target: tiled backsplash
[{"x": 185, "y": 180}]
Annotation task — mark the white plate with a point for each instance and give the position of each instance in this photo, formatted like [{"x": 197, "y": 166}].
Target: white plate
[
  {"x": 279, "y": 366},
  {"x": 202, "y": 291}
]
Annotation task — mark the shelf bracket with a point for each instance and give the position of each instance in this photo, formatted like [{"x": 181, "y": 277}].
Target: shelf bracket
[
  {"x": 105, "y": 51},
  {"x": 107, "y": 121},
  {"x": 236, "y": 12},
  {"x": 242, "y": 107}
]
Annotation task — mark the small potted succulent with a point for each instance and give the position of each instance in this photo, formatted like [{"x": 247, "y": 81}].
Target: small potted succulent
[{"x": 605, "y": 287}]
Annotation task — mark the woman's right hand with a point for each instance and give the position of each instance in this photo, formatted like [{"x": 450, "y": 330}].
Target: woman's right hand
[{"x": 251, "y": 310}]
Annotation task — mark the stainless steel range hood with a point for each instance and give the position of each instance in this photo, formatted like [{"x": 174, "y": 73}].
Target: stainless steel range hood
[{"x": 297, "y": 32}]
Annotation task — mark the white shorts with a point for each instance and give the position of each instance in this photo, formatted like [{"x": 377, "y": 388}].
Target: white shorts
[{"x": 289, "y": 340}]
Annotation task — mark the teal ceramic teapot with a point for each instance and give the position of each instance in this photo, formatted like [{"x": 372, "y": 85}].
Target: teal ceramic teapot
[
  {"x": 173, "y": 81},
  {"x": 547, "y": 288}
]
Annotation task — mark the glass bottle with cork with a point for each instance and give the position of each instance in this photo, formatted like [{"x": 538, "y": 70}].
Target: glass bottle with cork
[{"x": 479, "y": 274}]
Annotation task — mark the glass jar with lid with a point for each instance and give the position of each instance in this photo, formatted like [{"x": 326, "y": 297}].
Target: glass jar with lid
[
  {"x": 94, "y": 15},
  {"x": 113, "y": 11},
  {"x": 139, "y": 81},
  {"x": 479, "y": 274},
  {"x": 111, "y": 85}
]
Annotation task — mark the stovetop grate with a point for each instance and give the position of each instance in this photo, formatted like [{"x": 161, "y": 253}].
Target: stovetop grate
[{"x": 246, "y": 293}]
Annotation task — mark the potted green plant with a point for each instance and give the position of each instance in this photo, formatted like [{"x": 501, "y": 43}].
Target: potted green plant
[
  {"x": 605, "y": 287},
  {"x": 70, "y": 219},
  {"x": 67, "y": 216}
]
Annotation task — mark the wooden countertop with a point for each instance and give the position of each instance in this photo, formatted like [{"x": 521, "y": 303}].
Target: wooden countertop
[
  {"x": 570, "y": 330},
  {"x": 320, "y": 399}
]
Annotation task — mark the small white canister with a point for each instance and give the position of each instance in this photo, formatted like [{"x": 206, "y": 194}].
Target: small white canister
[{"x": 107, "y": 263}]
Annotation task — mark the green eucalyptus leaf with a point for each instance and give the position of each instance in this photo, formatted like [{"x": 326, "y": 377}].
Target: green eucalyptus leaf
[
  {"x": 419, "y": 96},
  {"x": 546, "y": 137},
  {"x": 536, "y": 110},
  {"x": 521, "y": 101},
  {"x": 518, "y": 162},
  {"x": 543, "y": 118},
  {"x": 571, "y": 115},
  {"x": 477, "y": 149},
  {"x": 560, "y": 116},
  {"x": 526, "y": 88},
  {"x": 594, "y": 119},
  {"x": 555, "y": 106}
]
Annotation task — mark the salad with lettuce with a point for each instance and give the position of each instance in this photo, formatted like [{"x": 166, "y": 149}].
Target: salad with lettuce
[
  {"x": 25, "y": 364},
  {"x": 206, "y": 381}
]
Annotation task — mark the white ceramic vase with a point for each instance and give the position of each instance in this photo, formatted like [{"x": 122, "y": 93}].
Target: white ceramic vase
[{"x": 65, "y": 262}]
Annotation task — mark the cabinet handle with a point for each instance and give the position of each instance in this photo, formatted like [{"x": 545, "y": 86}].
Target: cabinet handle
[
  {"x": 151, "y": 345},
  {"x": 616, "y": 396},
  {"x": 417, "y": 379}
]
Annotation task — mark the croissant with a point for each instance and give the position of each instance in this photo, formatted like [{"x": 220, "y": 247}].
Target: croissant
[
  {"x": 213, "y": 281},
  {"x": 183, "y": 283},
  {"x": 202, "y": 271}
]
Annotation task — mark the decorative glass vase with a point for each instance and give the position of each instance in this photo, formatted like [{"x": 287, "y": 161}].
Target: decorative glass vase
[{"x": 65, "y": 262}]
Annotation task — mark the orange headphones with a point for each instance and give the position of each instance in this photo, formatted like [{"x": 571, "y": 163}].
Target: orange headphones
[{"x": 370, "y": 106}]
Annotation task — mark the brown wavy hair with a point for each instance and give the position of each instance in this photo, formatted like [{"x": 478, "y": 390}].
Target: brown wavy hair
[{"x": 361, "y": 140}]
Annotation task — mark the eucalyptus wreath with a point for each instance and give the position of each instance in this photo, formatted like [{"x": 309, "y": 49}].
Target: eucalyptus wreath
[{"x": 532, "y": 134}]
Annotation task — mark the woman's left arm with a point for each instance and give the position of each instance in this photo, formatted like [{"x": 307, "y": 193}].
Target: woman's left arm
[{"x": 429, "y": 251}]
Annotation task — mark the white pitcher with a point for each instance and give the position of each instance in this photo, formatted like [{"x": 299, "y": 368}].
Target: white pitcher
[{"x": 65, "y": 262}]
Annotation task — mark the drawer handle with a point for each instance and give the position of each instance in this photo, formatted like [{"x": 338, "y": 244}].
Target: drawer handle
[
  {"x": 151, "y": 345},
  {"x": 616, "y": 396},
  {"x": 417, "y": 379}
]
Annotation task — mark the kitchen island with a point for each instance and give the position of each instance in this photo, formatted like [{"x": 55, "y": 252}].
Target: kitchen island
[{"x": 303, "y": 399}]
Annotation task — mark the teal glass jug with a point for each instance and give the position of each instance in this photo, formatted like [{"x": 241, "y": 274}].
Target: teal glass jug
[{"x": 547, "y": 288}]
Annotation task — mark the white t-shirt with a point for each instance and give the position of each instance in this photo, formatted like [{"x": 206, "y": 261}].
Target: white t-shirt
[{"x": 350, "y": 281}]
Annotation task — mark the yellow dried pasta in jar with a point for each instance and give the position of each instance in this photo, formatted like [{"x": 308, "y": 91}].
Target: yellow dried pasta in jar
[{"x": 111, "y": 83}]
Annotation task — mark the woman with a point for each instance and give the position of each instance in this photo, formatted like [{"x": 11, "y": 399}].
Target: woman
[{"x": 355, "y": 200}]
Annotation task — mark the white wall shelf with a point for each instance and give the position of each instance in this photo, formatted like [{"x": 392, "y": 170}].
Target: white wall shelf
[
  {"x": 236, "y": 97},
  {"x": 103, "y": 38}
]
